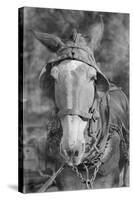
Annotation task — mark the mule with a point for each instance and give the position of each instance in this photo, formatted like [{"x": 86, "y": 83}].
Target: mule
[{"x": 90, "y": 137}]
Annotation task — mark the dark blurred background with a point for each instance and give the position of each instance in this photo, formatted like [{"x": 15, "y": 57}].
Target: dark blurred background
[{"x": 112, "y": 56}]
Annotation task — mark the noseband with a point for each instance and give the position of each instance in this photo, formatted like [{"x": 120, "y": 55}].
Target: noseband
[{"x": 79, "y": 113}]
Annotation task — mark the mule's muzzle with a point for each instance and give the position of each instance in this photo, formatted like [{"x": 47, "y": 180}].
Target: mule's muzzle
[{"x": 73, "y": 156}]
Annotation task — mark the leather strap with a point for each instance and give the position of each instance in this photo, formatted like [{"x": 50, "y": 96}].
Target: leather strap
[
  {"x": 65, "y": 112},
  {"x": 72, "y": 46}
]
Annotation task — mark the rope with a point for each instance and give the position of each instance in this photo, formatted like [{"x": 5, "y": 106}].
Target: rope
[{"x": 51, "y": 179}]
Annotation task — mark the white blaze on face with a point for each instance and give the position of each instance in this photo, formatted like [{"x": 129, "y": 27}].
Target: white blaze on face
[
  {"x": 73, "y": 127},
  {"x": 69, "y": 67}
]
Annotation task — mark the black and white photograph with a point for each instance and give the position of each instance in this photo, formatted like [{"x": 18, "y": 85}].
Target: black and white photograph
[{"x": 73, "y": 100}]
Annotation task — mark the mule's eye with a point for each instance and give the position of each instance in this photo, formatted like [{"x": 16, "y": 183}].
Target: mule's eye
[{"x": 54, "y": 73}]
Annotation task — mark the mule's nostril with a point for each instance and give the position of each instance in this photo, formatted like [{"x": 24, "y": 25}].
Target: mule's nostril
[
  {"x": 70, "y": 153},
  {"x": 76, "y": 153},
  {"x": 83, "y": 146}
]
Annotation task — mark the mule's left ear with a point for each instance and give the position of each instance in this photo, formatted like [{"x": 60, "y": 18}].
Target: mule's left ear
[
  {"x": 52, "y": 42},
  {"x": 102, "y": 84},
  {"x": 96, "y": 34}
]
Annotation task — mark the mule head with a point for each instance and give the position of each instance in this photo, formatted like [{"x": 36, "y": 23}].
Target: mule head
[
  {"x": 73, "y": 85},
  {"x": 74, "y": 96}
]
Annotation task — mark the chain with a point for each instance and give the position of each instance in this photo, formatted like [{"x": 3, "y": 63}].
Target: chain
[
  {"x": 95, "y": 161},
  {"x": 88, "y": 181},
  {"x": 95, "y": 174},
  {"x": 79, "y": 174}
]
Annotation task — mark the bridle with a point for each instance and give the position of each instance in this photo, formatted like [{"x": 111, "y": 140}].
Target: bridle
[
  {"x": 94, "y": 162},
  {"x": 99, "y": 146},
  {"x": 85, "y": 115},
  {"x": 91, "y": 115}
]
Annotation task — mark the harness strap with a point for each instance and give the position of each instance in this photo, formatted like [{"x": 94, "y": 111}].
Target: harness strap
[
  {"x": 106, "y": 127},
  {"x": 73, "y": 55},
  {"x": 71, "y": 47},
  {"x": 65, "y": 112}
]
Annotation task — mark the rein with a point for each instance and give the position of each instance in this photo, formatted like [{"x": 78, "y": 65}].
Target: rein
[{"x": 51, "y": 179}]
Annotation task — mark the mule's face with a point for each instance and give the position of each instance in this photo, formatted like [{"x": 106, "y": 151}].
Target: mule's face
[{"x": 74, "y": 89}]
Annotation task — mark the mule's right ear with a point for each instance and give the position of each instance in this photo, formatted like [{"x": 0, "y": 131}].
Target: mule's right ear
[
  {"x": 52, "y": 42},
  {"x": 96, "y": 34}
]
